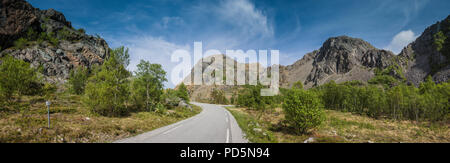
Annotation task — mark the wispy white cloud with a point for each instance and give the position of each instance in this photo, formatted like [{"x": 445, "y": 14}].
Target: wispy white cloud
[
  {"x": 168, "y": 21},
  {"x": 401, "y": 40},
  {"x": 409, "y": 9},
  {"x": 246, "y": 17},
  {"x": 240, "y": 23}
]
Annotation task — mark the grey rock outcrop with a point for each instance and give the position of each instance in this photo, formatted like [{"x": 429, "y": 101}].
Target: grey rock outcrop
[
  {"x": 183, "y": 104},
  {"x": 344, "y": 58},
  {"x": 421, "y": 57},
  {"x": 73, "y": 48}
]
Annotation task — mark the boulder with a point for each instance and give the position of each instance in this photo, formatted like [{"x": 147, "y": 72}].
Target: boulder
[
  {"x": 309, "y": 140},
  {"x": 183, "y": 104}
]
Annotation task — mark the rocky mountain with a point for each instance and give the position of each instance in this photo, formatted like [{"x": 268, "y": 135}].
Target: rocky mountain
[
  {"x": 345, "y": 58},
  {"x": 203, "y": 92},
  {"x": 45, "y": 38},
  {"x": 429, "y": 54}
]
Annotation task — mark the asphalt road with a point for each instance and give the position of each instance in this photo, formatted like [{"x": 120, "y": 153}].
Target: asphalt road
[{"x": 214, "y": 124}]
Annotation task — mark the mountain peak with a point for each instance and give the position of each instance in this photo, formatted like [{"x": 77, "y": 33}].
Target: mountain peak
[
  {"x": 346, "y": 43},
  {"x": 344, "y": 58}
]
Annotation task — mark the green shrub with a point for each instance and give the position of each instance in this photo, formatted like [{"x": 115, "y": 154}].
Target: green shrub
[
  {"x": 52, "y": 39},
  {"x": 303, "y": 110},
  {"x": 81, "y": 30},
  {"x": 64, "y": 34},
  {"x": 385, "y": 80},
  {"x": 17, "y": 77},
  {"x": 48, "y": 91},
  {"x": 77, "y": 80},
  {"x": 297, "y": 85},
  {"x": 34, "y": 88},
  {"x": 182, "y": 92},
  {"x": 250, "y": 96},
  {"x": 160, "y": 109},
  {"x": 170, "y": 98},
  {"x": 20, "y": 43},
  {"x": 31, "y": 34},
  {"x": 218, "y": 97},
  {"x": 108, "y": 91},
  {"x": 148, "y": 84}
]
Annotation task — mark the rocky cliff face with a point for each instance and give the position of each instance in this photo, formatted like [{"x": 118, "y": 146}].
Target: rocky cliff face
[
  {"x": 45, "y": 38},
  {"x": 298, "y": 71},
  {"x": 344, "y": 58},
  {"x": 422, "y": 57}
]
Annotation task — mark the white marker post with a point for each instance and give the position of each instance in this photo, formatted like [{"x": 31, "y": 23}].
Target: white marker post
[{"x": 48, "y": 112}]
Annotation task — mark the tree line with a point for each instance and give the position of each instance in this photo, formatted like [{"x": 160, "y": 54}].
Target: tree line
[
  {"x": 429, "y": 101},
  {"x": 382, "y": 97}
]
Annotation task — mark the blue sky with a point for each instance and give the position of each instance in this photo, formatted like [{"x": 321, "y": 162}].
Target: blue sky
[{"x": 153, "y": 29}]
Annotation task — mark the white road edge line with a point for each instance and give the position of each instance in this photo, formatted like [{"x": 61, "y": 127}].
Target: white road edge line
[
  {"x": 171, "y": 129},
  {"x": 228, "y": 136}
]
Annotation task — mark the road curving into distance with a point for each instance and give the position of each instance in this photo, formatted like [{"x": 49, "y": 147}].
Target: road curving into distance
[{"x": 214, "y": 124}]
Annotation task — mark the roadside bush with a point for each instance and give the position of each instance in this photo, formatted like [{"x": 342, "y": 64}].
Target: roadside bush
[
  {"x": 182, "y": 92},
  {"x": 250, "y": 96},
  {"x": 160, "y": 109},
  {"x": 170, "y": 98},
  {"x": 218, "y": 97},
  {"x": 303, "y": 110}
]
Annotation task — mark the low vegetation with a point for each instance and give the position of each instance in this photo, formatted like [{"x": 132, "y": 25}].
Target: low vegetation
[
  {"x": 338, "y": 127},
  {"x": 32, "y": 37},
  {"x": 183, "y": 93},
  {"x": 71, "y": 121},
  {"x": 302, "y": 110},
  {"x": 101, "y": 104},
  {"x": 250, "y": 96},
  {"x": 18, "y": 79},
  {"x": 385, "y": 101},
  {"x": 429, "y": 102},
  {"x": 218, "y": 97},
  {"x": 77, "y": 80}
]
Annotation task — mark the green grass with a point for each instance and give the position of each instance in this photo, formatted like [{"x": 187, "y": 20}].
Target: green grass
[
  {"x": 340, "y": 127},
  {"x": 250, "y": 126},
  {"x": 339, "y": 123},
  {"x": 72, "y": 122}
]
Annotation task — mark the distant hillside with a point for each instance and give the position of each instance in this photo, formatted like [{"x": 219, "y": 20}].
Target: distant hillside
[
  {"x": 45, "y": 38},
  {"x": 345, "y": 58}
]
